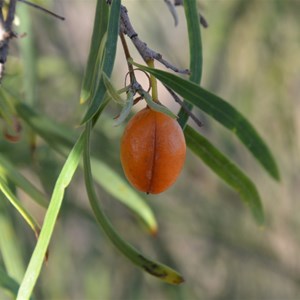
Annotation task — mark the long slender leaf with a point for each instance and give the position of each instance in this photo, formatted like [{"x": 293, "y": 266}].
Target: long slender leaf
[
  {"x": 10, "y": 247},
  {"x": 195, "y": 46},
  {"x": 19, "y": 180},
  {"x": 119, "y": 188},
  {"x": 57, "y": 136},
  {"x": 28, "y": 54},
  {"x": 227, "y": 170},
  {"x": 36, "y": 261},
  {"x": 157, "y": 106},
  {"x": 224, "y": 113},
  {"x": 19, "y": 206},
  {"x": 99, "y": 31},
  {"x": 8, "y": 283},
  {"x": 126, "y": 108},
  {"x": 154, "y": 268},
  {"x": 111, "y": 89},
  {"x": 108, "y": 59},
  {"x": 6, "y": 108}
]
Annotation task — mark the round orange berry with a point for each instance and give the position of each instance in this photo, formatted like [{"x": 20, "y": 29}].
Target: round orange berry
[{"x": 152, "y": 151}]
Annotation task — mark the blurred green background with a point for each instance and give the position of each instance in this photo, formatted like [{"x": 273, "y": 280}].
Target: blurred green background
[{"x": 251, "y": 59}]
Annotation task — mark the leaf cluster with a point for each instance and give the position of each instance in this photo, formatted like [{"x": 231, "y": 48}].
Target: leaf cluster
[{"x": 97, "y": 90}]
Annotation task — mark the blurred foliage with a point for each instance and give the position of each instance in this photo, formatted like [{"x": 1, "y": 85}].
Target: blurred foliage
[{"x": 251, "y": 57}]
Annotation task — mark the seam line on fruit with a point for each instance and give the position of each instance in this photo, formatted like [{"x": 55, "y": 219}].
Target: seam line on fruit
[{"x": 153, "y": 156}]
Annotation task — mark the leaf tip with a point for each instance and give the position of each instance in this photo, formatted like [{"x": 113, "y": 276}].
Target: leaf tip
[
  {"x": 259, "y": 217},
  {"x": 276, "y": 174},
  {"x": 154, "y": 230}
]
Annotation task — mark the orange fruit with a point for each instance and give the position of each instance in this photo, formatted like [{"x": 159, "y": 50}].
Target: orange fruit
[{"x": 152, "y": 151}]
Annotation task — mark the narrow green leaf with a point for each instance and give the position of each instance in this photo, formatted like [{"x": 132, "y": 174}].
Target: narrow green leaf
[
  {"x": 97, "y": 76},
  {"x": 4, "y": 188},
  {"x": 28, "y": 54},
  {"x": 154, "y": 268},
  {"x": 108, "y": 59},
  {"x": 119, "y": 188},
  {"x": 126, "y": 109},
  {"x": 86, "y": 95},
  {"x": 36, "y": 261},
  {"x": 227, "y": 170},
  {"x": 223, "y": 112},
  {"x": 6, "y": 108},
  {"x": 8, "y": 283},
  {"x": 29, "y": 61},
  {"x": 10, "y": 247},
  {"x": 195, "y": 45},
  {"x": 19, "y": 180},
  {"x": 57, "y": 136},
  {"x": 96, "y": 49},
  {"x": 158, "y": 107},
  {"x": 111, "y": 89}
]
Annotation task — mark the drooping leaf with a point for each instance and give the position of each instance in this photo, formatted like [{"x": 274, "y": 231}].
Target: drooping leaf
[
  {"x": 29, "y": 219},
  {"x": 10, "y": 246},
  {"x": 9, "y": 170},
  {"x": 222, "y": 112},
  {"x": 57, "y": 136},
  {"x": 156, "y": 269},
  {"x": 108, "y": 59},
  {"x": 120, "y": 189},
  {"x": 126, "y": 109},
  {"x": 29, "y": 62},
  {"x": 8, "y": 283},
  {"x": 195, "y": 46},
  {"x": 157, "y": 106},
  {"x": 37, "y": 258},
  {"x": 6, "y": 109},
  {"x": 96, "y": 49},
  {"x": 111, "y": 89},
  {"x": 227, "y": 170},
  {"x": 28, "y": 55}
]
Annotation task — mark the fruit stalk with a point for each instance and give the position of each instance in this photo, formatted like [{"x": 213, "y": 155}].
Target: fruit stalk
[{"x": 153, "y": 81}]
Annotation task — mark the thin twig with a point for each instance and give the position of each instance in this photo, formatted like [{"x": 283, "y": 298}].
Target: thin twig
[
  {"x": 127, "y": 55},
  {"x": 42, "y": 9},
  {"x": 146, "y": 53},
  {"x": 6, "y": 32},
  {"x": 184, "y": 107}
]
